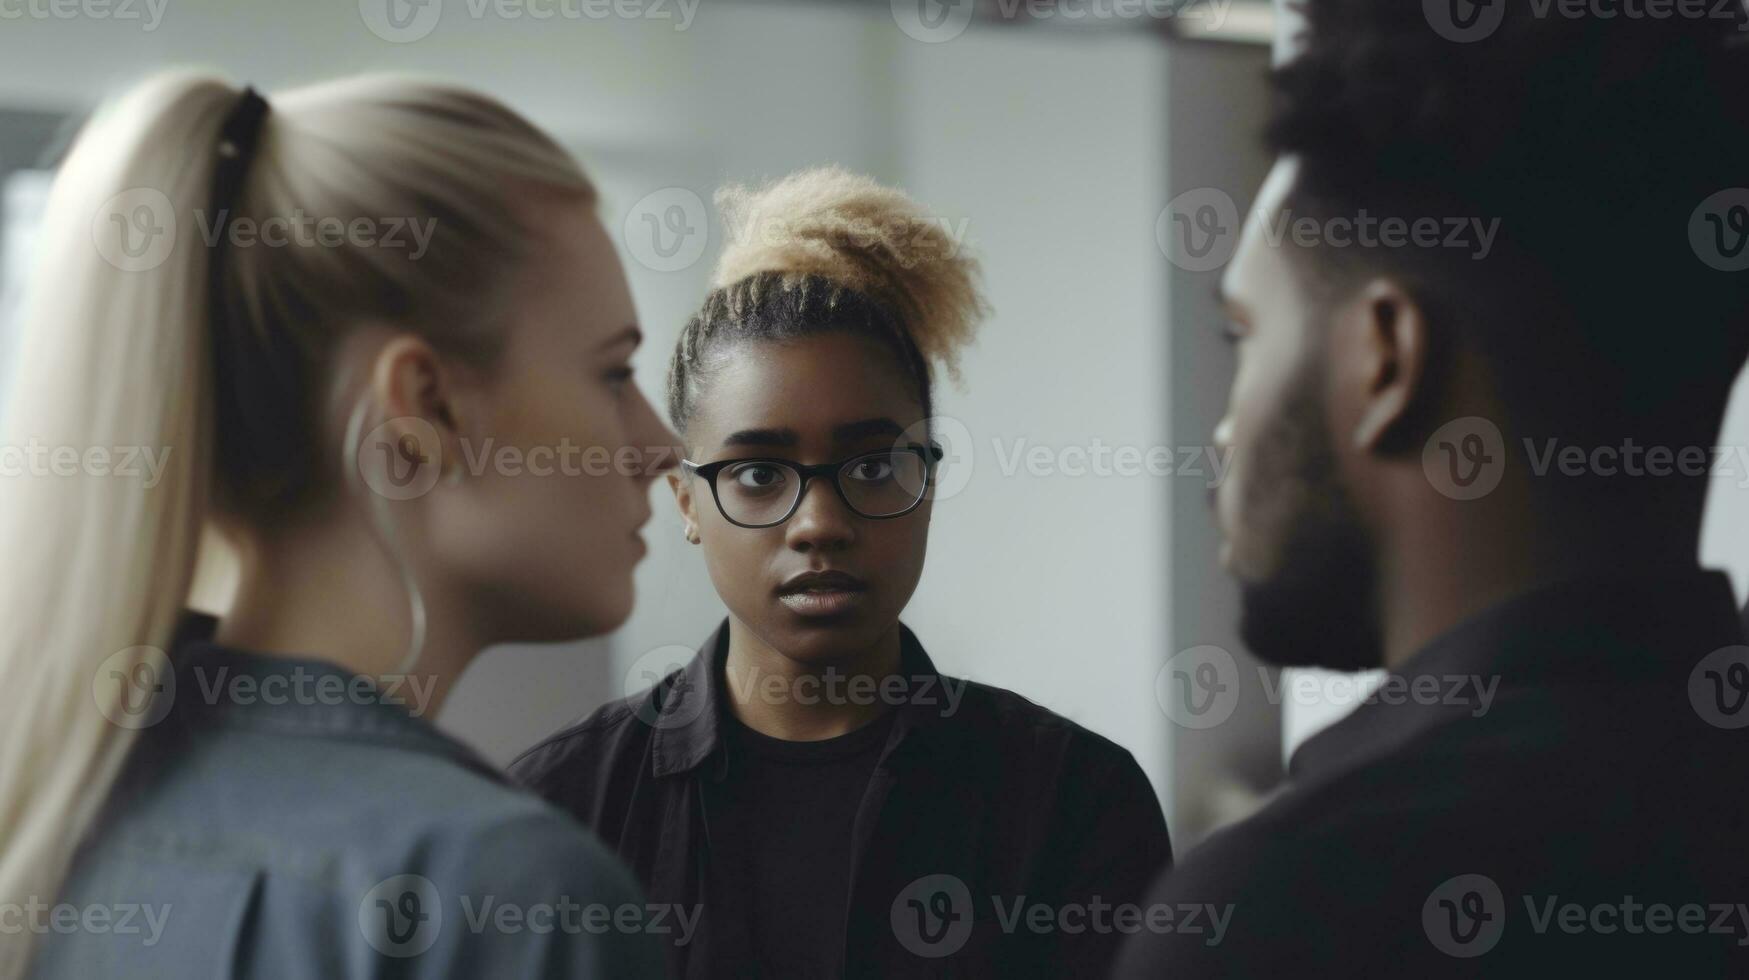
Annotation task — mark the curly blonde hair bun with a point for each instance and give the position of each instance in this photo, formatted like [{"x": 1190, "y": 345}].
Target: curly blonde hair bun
[{"x": 845, "y": 228}]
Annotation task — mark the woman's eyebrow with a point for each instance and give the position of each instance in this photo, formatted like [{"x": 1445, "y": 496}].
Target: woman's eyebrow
[
  {"x": 762, "y": 437},
  {"x": 787, "y": 438},
  {"x": 852, "y": 431}
]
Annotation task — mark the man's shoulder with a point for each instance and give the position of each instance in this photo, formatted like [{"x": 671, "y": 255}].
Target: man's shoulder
[{"x": 1292, "y": 887}]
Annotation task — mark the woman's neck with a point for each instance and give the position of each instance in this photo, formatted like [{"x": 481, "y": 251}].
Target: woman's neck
[
  {"x": 339, "y": 600},
  {"x": 785, "y": 698}
]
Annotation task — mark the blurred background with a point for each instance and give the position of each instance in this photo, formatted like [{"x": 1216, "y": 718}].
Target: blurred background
[{"x": 1072, "y": 558}]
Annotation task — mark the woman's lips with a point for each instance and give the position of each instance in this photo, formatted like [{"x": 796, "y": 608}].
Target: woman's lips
[{"x": 828, "y": 602}]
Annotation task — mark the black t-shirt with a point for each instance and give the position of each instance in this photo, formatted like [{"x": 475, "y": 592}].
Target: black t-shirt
[{"x": 781, "y": 857}]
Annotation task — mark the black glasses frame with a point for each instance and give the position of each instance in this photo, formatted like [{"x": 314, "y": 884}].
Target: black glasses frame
[{"x": 831, "y": 472}]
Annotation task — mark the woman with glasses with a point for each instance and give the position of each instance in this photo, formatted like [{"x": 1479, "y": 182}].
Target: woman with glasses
[{"x": 827, "y": 802}]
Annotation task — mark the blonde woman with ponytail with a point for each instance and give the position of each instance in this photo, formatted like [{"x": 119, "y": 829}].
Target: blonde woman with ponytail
[
  {"x": 323, "y": 318},
  {"x": 835, "y": 805}
]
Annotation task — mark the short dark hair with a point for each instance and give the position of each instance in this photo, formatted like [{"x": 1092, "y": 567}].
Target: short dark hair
[{"x": 1593, "y": 140}]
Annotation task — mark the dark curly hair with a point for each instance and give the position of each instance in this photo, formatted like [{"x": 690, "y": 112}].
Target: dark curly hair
[{"x": 1592, "y": 140}]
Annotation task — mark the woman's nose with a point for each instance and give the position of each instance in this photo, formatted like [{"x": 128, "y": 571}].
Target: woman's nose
[
  {"x": 821, "y": 520},
  {"x": 661, "y": 446}
]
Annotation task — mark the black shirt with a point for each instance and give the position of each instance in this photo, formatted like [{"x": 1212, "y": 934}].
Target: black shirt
[
  {"x": 980, "y": 803},
  {"x": 1586, "y": 817},
  {"x": 785, "y": 830}
]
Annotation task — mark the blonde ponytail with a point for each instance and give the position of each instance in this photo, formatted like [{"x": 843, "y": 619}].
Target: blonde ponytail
[
  {"x": 118, "y": 362},
  {"x": 111, "y": 360}
]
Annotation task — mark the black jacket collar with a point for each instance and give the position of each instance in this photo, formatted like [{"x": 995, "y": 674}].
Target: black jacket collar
[
  {"x": 1594, "y": 631},
  {"x": 688, "y": 707}
]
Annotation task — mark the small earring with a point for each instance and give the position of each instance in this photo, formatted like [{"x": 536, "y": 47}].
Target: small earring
[{"x": 689, "y": 534}]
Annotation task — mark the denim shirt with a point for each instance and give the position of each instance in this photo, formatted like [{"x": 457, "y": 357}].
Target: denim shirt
[{"x": 285, "y": 818}]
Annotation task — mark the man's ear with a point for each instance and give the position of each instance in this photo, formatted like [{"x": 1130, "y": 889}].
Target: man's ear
[{"x": 1386, "y": 344}]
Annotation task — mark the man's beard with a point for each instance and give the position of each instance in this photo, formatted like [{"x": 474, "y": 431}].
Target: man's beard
[{"x": 1317, "y": 607}]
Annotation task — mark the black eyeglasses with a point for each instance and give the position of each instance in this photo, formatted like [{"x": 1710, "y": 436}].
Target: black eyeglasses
[{"x": 756, "y": 493}]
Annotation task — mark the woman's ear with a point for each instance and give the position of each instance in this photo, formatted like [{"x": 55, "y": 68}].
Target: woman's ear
[
  {"x": 682, "y": 488},
  {"x": 417, "y": 401},
  {"x": 408, "y": 379}
]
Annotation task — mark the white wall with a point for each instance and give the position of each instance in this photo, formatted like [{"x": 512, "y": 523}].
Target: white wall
[
  {"x": 1053, "y": 152},
  {"x": 1724, "y": 539}
]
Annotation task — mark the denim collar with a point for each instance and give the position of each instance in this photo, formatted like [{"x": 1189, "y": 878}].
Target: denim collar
[
  {"x": 688, "y": 708},
  {"x": 220, "y": 686}
]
